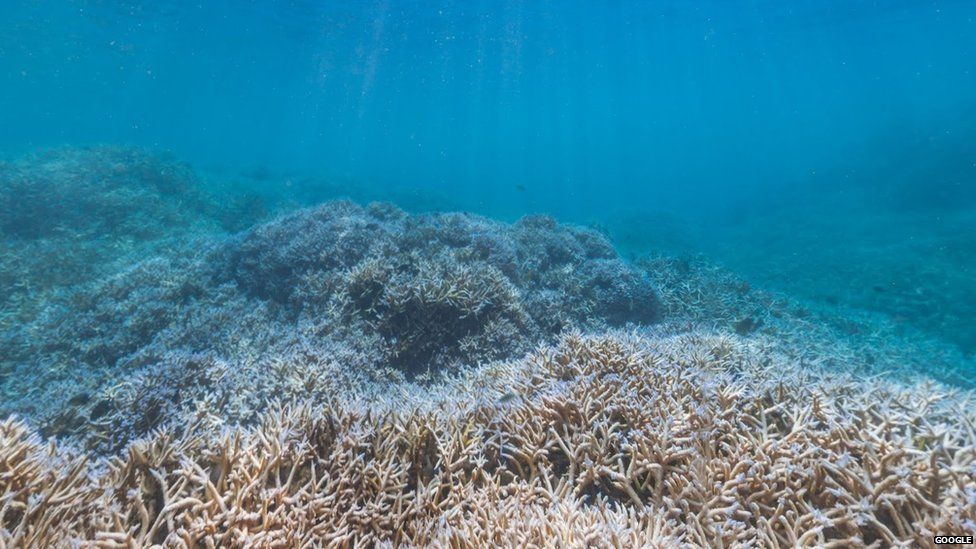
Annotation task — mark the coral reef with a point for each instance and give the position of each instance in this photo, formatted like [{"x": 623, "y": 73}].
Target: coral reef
[
  {"x": 97, "y": 192},
  {"x": 332, "y": 295},
  {"x": 73, "y": 215},
  {"x": 359, "y": 376},
  {"x": 912, "y": 268},
  {"x": 439, "y": 288},
  {"x": 615, "y": 440},
  {"x": 698, "y": 294}
]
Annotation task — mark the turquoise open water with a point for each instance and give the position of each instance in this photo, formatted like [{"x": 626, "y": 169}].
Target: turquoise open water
[{"x": 824, "y": 148}]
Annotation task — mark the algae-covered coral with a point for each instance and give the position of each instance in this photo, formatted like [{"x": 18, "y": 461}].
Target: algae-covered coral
[{"x": 613, "y": 440}]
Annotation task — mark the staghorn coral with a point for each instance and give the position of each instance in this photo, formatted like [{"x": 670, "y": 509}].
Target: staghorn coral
[
  {"x": 432, "y": 309},
  {"x": 332, "y": 295},
  {"x": 697, "y": 294},
  {"x": 73, "y": 215},
  {"x": 612, "y": 440},
  {"x": 46, "y": 495},
  {"x": 442, "y": 288},
  {"x": 384, "y": 336},
  {"x": 96, "y": 191}
]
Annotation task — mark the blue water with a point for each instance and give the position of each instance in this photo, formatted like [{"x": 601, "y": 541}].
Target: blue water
[{"x": 825, "y": 148}]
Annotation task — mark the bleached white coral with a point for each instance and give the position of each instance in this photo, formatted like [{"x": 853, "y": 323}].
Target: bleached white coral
[{"x": 552, "y": 464}]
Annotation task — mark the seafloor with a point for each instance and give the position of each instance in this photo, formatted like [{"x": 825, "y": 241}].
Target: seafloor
[{"x": 190, "y": 367}]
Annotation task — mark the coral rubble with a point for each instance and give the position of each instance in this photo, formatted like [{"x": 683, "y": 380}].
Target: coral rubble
[{"x": 616, "y": 440}]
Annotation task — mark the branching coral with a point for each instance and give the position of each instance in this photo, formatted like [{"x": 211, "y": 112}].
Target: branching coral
[
  {"x": 614, "y": 440},
  {"x": 435, "y": 314},
  {"x": 46, "y": 496},
  {"x": 424, "y": 396},
  {"x": 229, "y": 323},
  {"x": 695, "y": 291},
  {"x": 71, "y": 216}
]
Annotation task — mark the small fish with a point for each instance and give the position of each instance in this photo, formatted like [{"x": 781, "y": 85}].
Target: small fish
[
  {"x": 746, "y": 326},
  {"x": 520, "y": 188},
  {"x": 507, "y": 398}
]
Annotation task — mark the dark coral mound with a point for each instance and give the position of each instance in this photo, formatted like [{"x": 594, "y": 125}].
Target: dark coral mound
[
  {"x": 290, "y": 309},
  {"x": 440, "y": 289}
]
